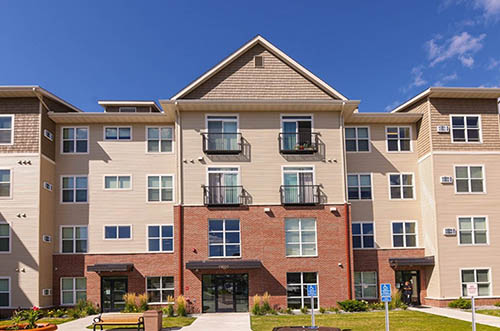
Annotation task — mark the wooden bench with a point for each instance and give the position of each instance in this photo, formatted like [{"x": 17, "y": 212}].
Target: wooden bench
[{"x": 119, "y": 319}]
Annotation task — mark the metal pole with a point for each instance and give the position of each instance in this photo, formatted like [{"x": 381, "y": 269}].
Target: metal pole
[
  {"x": 386, "y": 316},
  {"x": 473, "y": 314},
  {"x": 312, "y": 311}
]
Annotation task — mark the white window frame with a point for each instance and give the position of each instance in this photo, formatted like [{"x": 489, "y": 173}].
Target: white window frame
[
  {"x": 283, "y": 120},
  {"x": 235, "y": 115},
  {"x": 490, "y": 281},
  {"x": 160, "y": 238},
  {"x": 302, "y": 284},
  {"x": 9, "y": 236},
  {"x": 117, "y": 226},
  {"x": 401, "y": 185},
  {"x": 74, "y": 189},
  {"x": 359, "y": 186},
  {"x": 11, "y": 186},
  {"x": 405, "y": 246},
  {"x": 120, "y": 109},
  {"x": 223, "y": 170},
  {"x": 9, "y": 292},
  {"x": 73, "y": 290},
  {"x": 356, "y": 139},
  {"x": 160, "y": 188},
  {"x": 74, "y": 140},
  {"x": 473, "y": 230},
  {"x": 363, "y": 235},
  {"x": 469, "y": 177},
  {"x": 286, "y": 169},
  {"x": 74, "y": 238},
  {"x": 118, "y": 128},
  {"x": 399, "y": 138},
  {"x": 161, "y": 289},
  {"x": 12, "y": 128},
  {"x": 300, "y": 243},
  {"x": 223, "y": 244},
  {"x": 363, "y": 284},
  {"x": 466, "y": 134},
  {"x": 171, "y": 127},
  {"x": 117, "y": 181}
]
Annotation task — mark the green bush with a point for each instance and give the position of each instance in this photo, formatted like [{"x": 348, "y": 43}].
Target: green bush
[
  {"x": 460, "y": 303},
  {"x": 304, "y": 310},
  {"x": 497, "y": 304},
  {"x": 143, "y": 302},
  {"x": 396, "y": 301},
  {"x": 181, "y": 306},
  {"x": 130, "y": 303},
  {"x": 322, "y": 310},
  {"x": 266, "y": 306},
  {"x": 376, "y": 306},
  {"x": 74, "y": 313},
  {"x": 168, "y": 310},
  {"x": 86, "y": 308},
  {"x": 334, "y": 310},
  {"x": 353, "y": 305}
]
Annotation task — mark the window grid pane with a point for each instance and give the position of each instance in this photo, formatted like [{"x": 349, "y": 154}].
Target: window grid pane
[
  {"x": 479, "y": 276},
  {"x": 219, "y": 246},
  {"x": 160, "y": 140},
  {"x": 359, "y": 186},
  {"x": 160, "y": 238},
  {"x": 398, "y": 139},
  {"x": 300, "y": 237},
  {"x": 366, "y": 284},
  {"x": 465, "y": 128},
  {"x": 469, "y": 179},
  {"x": 362, "y": 233},
  {"x": 404, "y": 234},
  {"x": 159, "y": 289},
  {"x": 297, "y": 289}
]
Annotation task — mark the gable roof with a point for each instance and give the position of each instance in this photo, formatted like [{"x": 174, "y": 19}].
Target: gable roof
[
  {"x": 32, "y": 91},
  {"x": 259, "y": 40}
]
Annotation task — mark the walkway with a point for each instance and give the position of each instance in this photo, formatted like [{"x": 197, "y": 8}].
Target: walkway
[
  {"x": 460, "y": 315},
  {"x": 76, "y": 325},
  {"x": 221, "y": 322}
]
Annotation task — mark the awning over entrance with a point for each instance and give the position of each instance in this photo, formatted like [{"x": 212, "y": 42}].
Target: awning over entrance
[
  {"x": 411, "y": 261},
  {"x": 224, "y": 265},
  {"x": 116, "y": 267}
]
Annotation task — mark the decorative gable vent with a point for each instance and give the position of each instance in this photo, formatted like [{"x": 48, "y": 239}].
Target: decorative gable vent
[{"x": 259, "y": 61}]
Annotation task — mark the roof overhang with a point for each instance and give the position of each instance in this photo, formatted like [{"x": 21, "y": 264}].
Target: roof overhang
[
  {"x": 224, "y": 265},
  {"x": 129, "y": 103},
  {"x": 452, "y": 92},
  {"x": 383, "y": 118},
  {"x": 111, "y": 267},
  {"x": 20, "y": 91},
  {"x": 411, "y": 261},
  {"x": 95, "y": 118}
]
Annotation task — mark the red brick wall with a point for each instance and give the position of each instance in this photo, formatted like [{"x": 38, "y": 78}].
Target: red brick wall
[{"x": 263, "y": 238}]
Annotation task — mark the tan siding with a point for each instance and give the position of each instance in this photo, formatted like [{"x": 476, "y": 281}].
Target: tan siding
[
  {"x": 26, "y": 124},
  {"x": 241, "y": 80},
  {"x": 47, "y": 147}
]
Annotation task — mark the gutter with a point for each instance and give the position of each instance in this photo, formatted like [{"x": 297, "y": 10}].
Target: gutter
[{"x": 180, "y": 189}]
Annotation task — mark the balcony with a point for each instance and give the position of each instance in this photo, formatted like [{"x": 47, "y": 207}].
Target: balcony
[
  {"x": 223, "y": 195},
  {"x": 300, "y": 194},
  {"x": 222, "y": 143},
  {"x": 298, "y": 143}
]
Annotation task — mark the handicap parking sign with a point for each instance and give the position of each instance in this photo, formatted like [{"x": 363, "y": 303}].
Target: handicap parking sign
[
  {"x": 385, "y": 292},
  {"x": 311, "y": 290}
]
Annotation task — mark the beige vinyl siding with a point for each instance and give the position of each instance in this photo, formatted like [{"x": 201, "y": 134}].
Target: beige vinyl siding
[
  {"x": 127, "y": 207},
  {"x": 47, "y": 147},
  {"x": 260, "y": 167}
]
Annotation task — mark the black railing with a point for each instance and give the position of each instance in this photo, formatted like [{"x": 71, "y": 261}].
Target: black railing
[
  {"x": 298, "y": 143},
  {"x": 223, "y": 195},
  {"x": 300, "y": 194},
  {"x": 222, "y": 143}
]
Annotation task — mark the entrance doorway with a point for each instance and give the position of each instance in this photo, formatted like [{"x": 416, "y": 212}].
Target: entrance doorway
[
  {"x": 225, "y": 293},
  {"x": 412, "y": 276},
  {"x": 112, "y": 291}
]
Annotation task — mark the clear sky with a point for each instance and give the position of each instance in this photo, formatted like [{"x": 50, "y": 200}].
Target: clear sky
[{"x": 381, "y": 52}]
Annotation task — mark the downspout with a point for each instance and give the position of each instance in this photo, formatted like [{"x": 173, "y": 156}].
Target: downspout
[{"x": 180, "y": 189}]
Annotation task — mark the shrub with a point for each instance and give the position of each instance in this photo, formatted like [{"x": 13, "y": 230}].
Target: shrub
[
  {"x": 497, "y": 304},
  {"x": 74, "y": 313},
  {"x": 181, "y": 306},
  {"x": 168, "y": 310},
  {"x": 256, "y": 308},
  {"x": 353, "y": 305},
  {"x": 334, "y": 310},
  {"x": 460, "y": 303},
  {"x": 322, "y": 310},
  {"x": 86, "y": 308},
  {"x": 143, "y": 302},
  {"x": 130, "y": 303},
  {"x": 16, "y": 319},
  {"x": 376, "y": 306},
  {"x": 396, "y": 301},
  {"x": 304, "y": 310},
  {"x": 266, "y": 307},
  {"x": 59, "y": 313}
]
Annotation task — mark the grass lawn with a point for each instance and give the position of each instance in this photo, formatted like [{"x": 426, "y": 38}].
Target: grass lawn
[
  {"x": 399, "y": 320},
  {"x": 43, "y": 320},
  {"x": 168, "y": 322},
  {"x": 492, "y": 312}
]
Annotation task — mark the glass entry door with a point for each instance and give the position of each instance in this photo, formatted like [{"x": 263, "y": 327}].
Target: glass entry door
[
  {"x": 112, "y": 291},
  {"x": 413, "y": 276},
  {"x": 225, "y": 293}
]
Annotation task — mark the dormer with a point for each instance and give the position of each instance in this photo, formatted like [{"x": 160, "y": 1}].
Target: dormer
[{"x": 129, "y": 106}]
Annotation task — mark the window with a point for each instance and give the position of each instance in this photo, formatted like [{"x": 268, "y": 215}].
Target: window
[
  {"x": 472, "y": 230},
  {"x": 359, "y": 186},
  {"x": 404, "y": 234},
  {"x": 4, "y": 292},
  {"x": 357, "y": 139},
  {"x": 259, "y": 61},
  {"x": 160, "y": 238},
  {"x": 75, "y": 140},
  {"x": 469, "y": 179},
  {"x": 362, "y": 235},
  {"x": 127, "y": 109},
  {"x": 224, "y": 238},
  {"x": 117, "y": 232},
  {"x": 117, "y": 183},
  {"x": 118, "y": 133},
  {"x": 159, "y": 289},
  {"x": 4, "y": 238},
  {"x": 479, "y": 276},
  {"x": 5, "y": 183},
  {"x": 74, "y": 239},
  {"x": 296, "y": 132},
  {"x": 161, "y": 188},
  {"x": 222, "y": 133},
  {"x": 299, "y": 185},
  {"x": 300, "y": 236},
  {"x": 465, "y": 128},
  {"x": 6, "y": 129},
  {"x": 223, "y": 185},
  {"x": 160, "y": 139},
  {"x": 398, "y": 139},
  {"x": 365, "y": 285},
  {"x": 74, "y": 189},
  {"x": 73, "y": 290},
  {"x": 401, "y": 186},
  {"x": 296, "y": 289}
]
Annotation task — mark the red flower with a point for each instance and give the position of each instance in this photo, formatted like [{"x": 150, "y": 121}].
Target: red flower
[{"x": 35, "y": 308}]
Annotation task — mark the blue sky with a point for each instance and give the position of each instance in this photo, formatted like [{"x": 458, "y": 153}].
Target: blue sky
[{"x": 381, "y": 52}]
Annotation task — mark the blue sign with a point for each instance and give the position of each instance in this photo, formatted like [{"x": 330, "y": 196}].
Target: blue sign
[
  {"x": 312, "y": 290},
  {"x": 385, "y": 292}
]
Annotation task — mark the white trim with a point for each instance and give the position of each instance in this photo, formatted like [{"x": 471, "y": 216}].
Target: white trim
[
  {"x": 160, "y": 239},
  {"x": 399, "y": 139},
  {"x": 9, "y": 237},
  {"x": 223, "y": 120},
  {"x": 483, "y": 168},
  {"x": 160, "y": 290},
  {"x": 466, "y": 135},
  {"x": 11, "y": 183},
  {"x": 300, "y": 237},
  {"x": 160, "y": 196},
  {"x": 356, "y": 127},
  {"x": 490, "y": 281},
  {"x": 424, "y": 157},
  {"x": 117, "y": 226},
  {"x": 302, "y": 296},
  {"x": 61, "y": 140},
  {"x": 359, "y": 185},
  {"x": 12, "y": 128},
  {"x": 473, "y": 244},
  {"x": 10, "y": 292},
  {"x": 48, "y": 159},
  {"x": 74, "y": 189},
  {"x": 74, "y": 238},
  {"x": 283, "y": 171},
  {"x": 401, "y": 186},
  {"x": 361, "y": 235},
  {"x": 73, "y": 290},
  {"x": 118, "y": 128},
  {"x": 404, "y": 234},
  {"x": 117, "y": 181},
  {"x": 224, "y": 244},
  {"x": 159, "y": 139},
  {"x": 208, "y": 172}
]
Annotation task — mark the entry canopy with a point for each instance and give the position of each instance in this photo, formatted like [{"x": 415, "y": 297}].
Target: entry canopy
[
  {"x": 239, "y": 264},
  {"x": 117, "y": 267},
  {"x": 412, "y": 261}
]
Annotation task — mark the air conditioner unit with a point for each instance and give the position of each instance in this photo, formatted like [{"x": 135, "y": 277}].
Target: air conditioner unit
[
  {"x": 443, "y": 128},
  {"x": 49, "y": 135},
  {"x": 446, "y": 180},
  {"x": 450, "y": 232},
  {"x": 47, "y": 186},
  {"x": 47, "y": 292},
  {"x": 47, "y": 238}
]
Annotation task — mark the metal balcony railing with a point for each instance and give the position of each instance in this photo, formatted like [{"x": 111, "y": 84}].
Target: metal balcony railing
[
  {"x": 298, "y": 143},
  {"x": 223, "y": 195},
  {"x": 300, "y": 194},
  {"x": 222, "y": 143}
]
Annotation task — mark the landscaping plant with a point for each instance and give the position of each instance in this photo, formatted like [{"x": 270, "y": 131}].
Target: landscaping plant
[
  {"x": 256, "y": 309},
  {"x": 322, "y": 310},
  {"x": 181, "y": 306},
  {"x": 460, "y": 303},
  {"x": 304, "y": 310},
  {"x": 130, "y": 303},
  {"x": 353, "y": 305},
  {"x": 143, "y": 302},
  {"x": 169, "y": 309},
  {"x": 266, "y": 306},
  {"x": 31, "y": 316}
]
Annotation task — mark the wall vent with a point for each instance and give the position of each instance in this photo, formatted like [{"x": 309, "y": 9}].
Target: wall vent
[
  {"x": 446, "y": 180},
  {"x": 450, "y": 232},
  {"x": 47, "y": 186},
  {"x": 49, "y": 135},
  {"x": 259, "y": 61},
  {"x": 47, "y": 292},
  {"x": 47, "y": 238},
  {"x": 443, "y": 129}
]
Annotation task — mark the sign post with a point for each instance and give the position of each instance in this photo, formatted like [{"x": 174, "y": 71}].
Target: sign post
[
  {"x": 386, "y": 297},
  {"x": 312, "y": 292},
  {"x": 472, "y": 292}
]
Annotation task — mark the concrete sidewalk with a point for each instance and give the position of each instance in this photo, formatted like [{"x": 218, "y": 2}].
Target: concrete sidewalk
[
  {"x": 77, "y": 325},
  {"x": 460, "y": 315},
  {"x": 221, "y": 322}
]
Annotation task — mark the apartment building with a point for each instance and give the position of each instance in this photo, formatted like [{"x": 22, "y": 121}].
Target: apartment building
[{"x": 256, "y": 177}]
